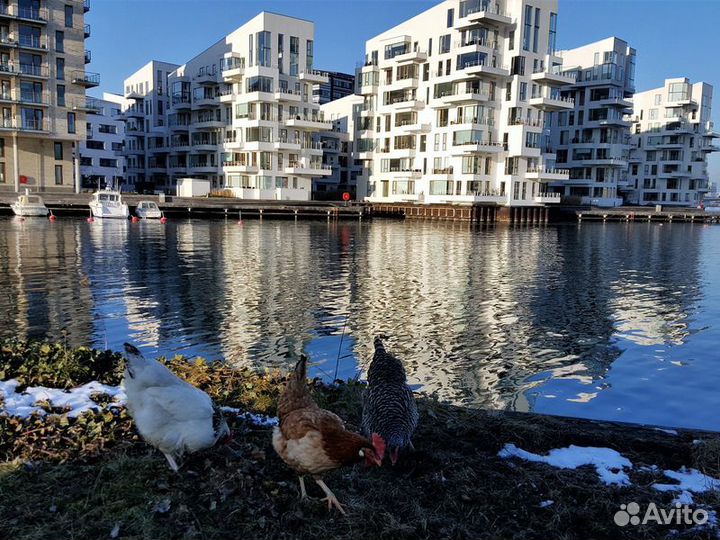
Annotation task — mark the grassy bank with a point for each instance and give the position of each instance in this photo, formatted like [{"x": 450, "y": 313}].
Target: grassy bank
[{"x": 91, "y": 477}]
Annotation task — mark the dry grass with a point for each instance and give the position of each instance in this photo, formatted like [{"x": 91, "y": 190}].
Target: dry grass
[{"x": 65, "y": 483}]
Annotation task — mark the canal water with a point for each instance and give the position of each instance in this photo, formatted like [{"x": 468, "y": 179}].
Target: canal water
[{"x": 609, "y": 321}]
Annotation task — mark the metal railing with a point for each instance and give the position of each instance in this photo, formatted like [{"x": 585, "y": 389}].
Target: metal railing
[{"x": 85, "y": 77}]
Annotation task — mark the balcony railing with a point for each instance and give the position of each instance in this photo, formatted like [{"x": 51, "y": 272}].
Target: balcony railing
[
  {"x": 86, "y": 5},
  {"x": 85, "y": 77},
  {"x": 86, "y": 31},
  {"x": 482, "y": 42},
  {"x": 542, "y": 170},
  {"x": 32, "y": 42},
  {"x": 30, "y": 13},
  {"x": 88, "y": 56}
]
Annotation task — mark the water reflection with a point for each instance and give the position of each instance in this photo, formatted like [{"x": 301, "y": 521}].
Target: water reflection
[{"x": 569, "y": 320}]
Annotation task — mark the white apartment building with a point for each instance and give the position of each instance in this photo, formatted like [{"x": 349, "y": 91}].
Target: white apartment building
[
  {"x": 671, "y": 139},
  {"x": 455, "y": 101},
  {"x": 101, "y": 159},
  {"x": 145, "y": 112},
  {"x": 592, "y": 139},
  {"x": 338, "y": 149},
  {"x": 242, "y": 113}
]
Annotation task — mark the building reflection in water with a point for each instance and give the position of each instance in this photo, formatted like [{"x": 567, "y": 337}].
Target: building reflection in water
[{"x": 522, "y": 318}]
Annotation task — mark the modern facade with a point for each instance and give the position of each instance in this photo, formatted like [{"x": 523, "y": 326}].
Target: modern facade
[
  {"x": 337, "y": 86},
  {"x": 42, "y": 93},
  {"x": 455, "y": 102},
  {"x": 672, "y": 136},
  {"x": 101, "y": 154},
  {"x": 338, "y": 150},
  {"x": 592, "y": 139},
  {"x": 242, "y": 113},
  {"x": 145, "y": 107}
]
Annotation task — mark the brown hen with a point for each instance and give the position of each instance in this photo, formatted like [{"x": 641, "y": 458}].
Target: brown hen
[{"x": 312, "y": 440}]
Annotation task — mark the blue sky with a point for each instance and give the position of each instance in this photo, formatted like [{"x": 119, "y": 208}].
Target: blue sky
[{"x": 673, "y": 38}]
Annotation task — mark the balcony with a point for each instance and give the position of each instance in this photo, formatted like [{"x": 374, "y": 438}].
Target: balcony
[
  {"x": 133, "y": 112},
  {"x": 86, "y": 31},
  {"x": 208, "y": 124},
  {"x": 471, "y": 147},
  {"x": 314, "y": 76},
  {"x": 554, "y": 76},
  {"x": 310, "y": 169},
  {"x": 88, "y": 56},
  {"x": 417, "y": 57},
  {"x": 287, "y": 145},
  {"x": 547, "y": 198},
  {"x": 479, "y": 67},
  {"x": 31, "y": 125},
  {"x": 85, "y": 78},
  {"x": 33, "y": 43},
  {"x": 181, "y": 102},
  {"x": 284, "y": 94},
  {"x": 203, "y": 167},
  {"x": 239, "y": 167},
  {"x": 309, "y": 122},
  {"x": 204, "y": 145},
  {"x": 233, "y": 72},
  {"x": 483, "y": 13},
  {"x": 86, "y": 6},
  {"x": 547, "y": 175},
  {"x": 414, "y": 127},
  {"x": 621, "y": 102},
  {"x": 88, "y": 105},
  {"x": 464, "y": 97},
  {"x": 33, "y": 14},
  {"x": 552, "y": 103},
  {"x": 206, "y": 78},
  {"x": 205, "y": 101}
]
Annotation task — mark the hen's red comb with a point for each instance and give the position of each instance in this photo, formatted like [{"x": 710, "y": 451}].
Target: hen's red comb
[{"x": 379, "y": 444}]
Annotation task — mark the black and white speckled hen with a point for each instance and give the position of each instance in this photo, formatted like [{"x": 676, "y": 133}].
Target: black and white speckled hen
[{"x": 389, "y": 407}]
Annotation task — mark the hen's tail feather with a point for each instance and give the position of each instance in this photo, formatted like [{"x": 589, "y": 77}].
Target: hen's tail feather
[
  {"x": 301, "y": 369},
  {"x": 296, "y": 393},
  {"x": 379, "y": 343}
]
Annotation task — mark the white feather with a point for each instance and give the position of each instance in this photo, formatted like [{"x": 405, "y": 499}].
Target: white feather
[{"x": 170, "y": 414}]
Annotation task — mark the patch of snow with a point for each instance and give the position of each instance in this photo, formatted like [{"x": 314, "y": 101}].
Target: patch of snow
[
  {"x": 689, "y": 480},
  {"x": 256, "y": 419},
  {"x": 77, "y": 400},
  {"x": 608, "y": 463},
  {"x": 685, "y": 497},
  {"x": 545, "y": 504},
  {"x": 668, "y": 431}
]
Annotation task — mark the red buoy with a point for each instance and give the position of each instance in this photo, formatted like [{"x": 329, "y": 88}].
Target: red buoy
[
  {"x": 90, "y": 219},
  {"x": 135, "y": 219},
  {"x": 52, "y": 217},
  {"x": 163, "y": 220}
]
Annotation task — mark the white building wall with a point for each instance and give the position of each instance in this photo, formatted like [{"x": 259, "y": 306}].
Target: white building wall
[
  {"x": 455, "y": 103},
  {"x": 672, "y": 136},
  {"x": 242, "y": 113},
  {"x": 101, "y": 158},
  {"x": 592, "y": 139},
  {"x": 145, "y": 112}
]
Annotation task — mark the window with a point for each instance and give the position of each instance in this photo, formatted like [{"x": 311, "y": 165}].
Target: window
[
  {"x": 58, "y": 151},
  {"x": 450, "y": 17},
  {"x": 310, "y": 56},
  {"x": 552, "y": 37},
  {"x": 280, "y": 47},
  {"x": 68, "y": 17},
  {"x": 523, "y": 91},
  {"x": 60, "y": 94},
  {"x": 59, "y": 41},
  {"x": 263, "y": 48},
  {"x": 537, "y": 30},
  {"x": 58, "y": 175},
  {"x": 2, "y": 148},
  {"x": 294, "y": 55},
  {"x": 71, "y": 123},
  {"x": 106, "y": 162},
  {"x": 527, "y": 28},
  {"x": 95, "y": 145},
  {"x": 445, "y": 43},
  {"x": 60, "y": 68}
]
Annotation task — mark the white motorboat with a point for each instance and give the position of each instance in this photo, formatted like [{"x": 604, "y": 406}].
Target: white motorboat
[
  {"x": 29, "y": 205},
  {"x": 107, "y": 203},
  {"x": 148, "y": 210}
]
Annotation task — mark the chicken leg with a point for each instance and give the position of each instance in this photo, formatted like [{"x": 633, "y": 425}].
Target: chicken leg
[
  {"x": 303, "y": 493},
  {"x": 171, "y": 460},
  {"x": 330, "y": 497}
]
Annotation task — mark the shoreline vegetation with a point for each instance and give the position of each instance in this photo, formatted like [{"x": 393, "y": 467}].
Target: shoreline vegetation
[{"x": 89, "y": 475}]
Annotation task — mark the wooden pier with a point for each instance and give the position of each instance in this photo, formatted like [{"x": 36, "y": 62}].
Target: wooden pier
[
  {"x": 476, "y": 213},
  {"x": 646, "y": 215},
  {"x": 205, "y": 207}
]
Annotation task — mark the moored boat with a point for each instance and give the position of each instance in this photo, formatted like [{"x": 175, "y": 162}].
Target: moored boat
[
  {"x": 108, "y": 203},
  {"x": 148, "y": 210},
  {"x": 29, "y": 205}
]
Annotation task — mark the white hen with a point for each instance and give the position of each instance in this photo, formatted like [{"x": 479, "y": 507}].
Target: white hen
[{"x": 170, "y": 414}]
